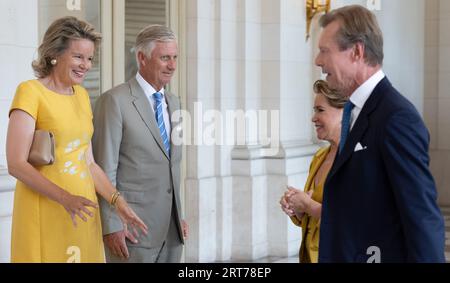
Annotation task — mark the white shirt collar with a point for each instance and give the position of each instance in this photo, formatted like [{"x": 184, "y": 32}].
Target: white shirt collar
[
  {"x": 148, "y": 88},
  {"x": 362, "y": 93}
]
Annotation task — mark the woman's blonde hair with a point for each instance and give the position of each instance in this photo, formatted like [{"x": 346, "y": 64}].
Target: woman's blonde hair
[
  {"x": 332, "y": 96},
  {"x": 57, "y": 39}
]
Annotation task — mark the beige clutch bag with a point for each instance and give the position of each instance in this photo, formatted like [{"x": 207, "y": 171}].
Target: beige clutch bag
[{"x": 42, "y": 151}]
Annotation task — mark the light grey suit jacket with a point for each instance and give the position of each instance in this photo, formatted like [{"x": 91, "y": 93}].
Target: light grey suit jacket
[{"x": 128, "y": 146}]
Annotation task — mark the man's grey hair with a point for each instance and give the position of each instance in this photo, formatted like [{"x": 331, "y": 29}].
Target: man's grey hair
[
  {"x": 357, "y": 24},
  {"x": 147, "y": 38}
]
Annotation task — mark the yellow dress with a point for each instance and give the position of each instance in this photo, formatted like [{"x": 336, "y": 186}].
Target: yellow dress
[
  {"x": 311, "y": 226},
  {"x": 42, "y": 230},
  {"x": 309, "y": 249}
]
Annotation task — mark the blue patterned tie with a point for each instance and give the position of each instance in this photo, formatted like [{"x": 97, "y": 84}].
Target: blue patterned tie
[
  {"x": 345, "y": 129},
  {"x": 160, "y": 121}
]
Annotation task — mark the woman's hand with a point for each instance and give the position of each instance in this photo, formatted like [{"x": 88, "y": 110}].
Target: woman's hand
[
  {"x": 284, "y": 202},
  {"x": 103, "y": 186},
  {"x": 130, "y": 220},
  {"x": 302, "y": 202},
  {"x": 77, "y": 205}
]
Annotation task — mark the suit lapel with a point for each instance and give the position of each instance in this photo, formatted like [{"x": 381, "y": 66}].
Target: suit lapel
[
  {"x": 360, "y": 127},
  {"x": 143, "y": 107},
  {"x": 354, "y": 137}
]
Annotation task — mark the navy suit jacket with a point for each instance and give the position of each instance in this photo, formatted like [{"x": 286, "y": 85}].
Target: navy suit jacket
[{"x": 383, "y": 196}]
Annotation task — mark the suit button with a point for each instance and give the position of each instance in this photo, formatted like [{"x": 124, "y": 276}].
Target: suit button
[{"x": 169, "y": 191}]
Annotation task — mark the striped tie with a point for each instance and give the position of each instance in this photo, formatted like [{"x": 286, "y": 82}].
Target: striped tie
[{"x": 160, "y": 121}]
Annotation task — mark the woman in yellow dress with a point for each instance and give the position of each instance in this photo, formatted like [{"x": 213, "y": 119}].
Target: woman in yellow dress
[
  {"x": 304, "y": 207},
  {"x": 51, "y": 200}
]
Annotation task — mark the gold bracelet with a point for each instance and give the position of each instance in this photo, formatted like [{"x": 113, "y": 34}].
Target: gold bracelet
[
  {"x": 114, "y": 198},
  {"x": 114, "y": 202}
]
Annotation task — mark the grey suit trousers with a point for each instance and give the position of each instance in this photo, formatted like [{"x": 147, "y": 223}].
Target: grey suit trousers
[{"x": 169, "y": 252}]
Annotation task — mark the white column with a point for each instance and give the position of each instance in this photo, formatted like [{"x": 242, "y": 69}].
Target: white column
[
  {"x": 436, "y": 93},
  {"x": 18, "y": 43},
  {"x": 247, "y": 56},
  {"x": 260, "y": 228},
  {"x": 203, "y": 161}
]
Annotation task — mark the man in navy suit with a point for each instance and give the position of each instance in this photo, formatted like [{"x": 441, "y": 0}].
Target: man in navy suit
[{"x": 379, "y": 202}]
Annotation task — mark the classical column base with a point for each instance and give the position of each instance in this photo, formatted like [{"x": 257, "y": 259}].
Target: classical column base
[
  {"x": 260, "y": 228},
  {"x": 238, "y": 217}
]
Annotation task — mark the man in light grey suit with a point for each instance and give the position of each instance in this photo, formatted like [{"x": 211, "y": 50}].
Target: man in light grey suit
[{"x": 132, "y": 144}]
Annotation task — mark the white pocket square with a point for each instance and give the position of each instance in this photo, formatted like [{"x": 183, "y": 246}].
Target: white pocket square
[{"x": 359, "y": 147}]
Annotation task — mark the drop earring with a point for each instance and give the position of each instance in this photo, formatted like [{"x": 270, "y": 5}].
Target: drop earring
[{"x": 53, "y": 62}]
